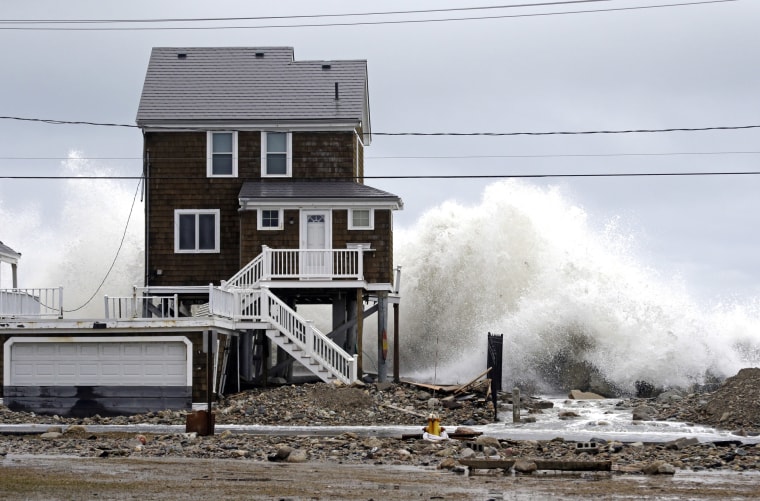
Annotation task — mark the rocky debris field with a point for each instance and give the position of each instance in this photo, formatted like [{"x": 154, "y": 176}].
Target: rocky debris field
[{"x": 733, "y": 406}]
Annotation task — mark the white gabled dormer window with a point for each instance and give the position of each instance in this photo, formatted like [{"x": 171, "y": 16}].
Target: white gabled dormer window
[
  {"x": 361, "y": 219},
  {"x": 196, "y": 231},
  {"x": 221, "y": 154},
  {"x": 276, "y": 157}
]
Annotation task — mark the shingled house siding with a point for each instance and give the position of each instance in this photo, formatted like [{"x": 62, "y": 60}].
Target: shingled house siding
[
  {"x": 378, "y": 264},
  {"x": 178, "y": 181},
  {"x": 253, "y": 240},
  {"x": 323, "y": 155}
]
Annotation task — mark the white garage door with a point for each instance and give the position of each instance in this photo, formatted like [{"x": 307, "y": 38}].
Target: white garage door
[{"x": 80, "y": 361}]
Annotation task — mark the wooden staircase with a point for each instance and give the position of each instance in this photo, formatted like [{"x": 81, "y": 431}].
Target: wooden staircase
[{"x": 244, "y": 299}]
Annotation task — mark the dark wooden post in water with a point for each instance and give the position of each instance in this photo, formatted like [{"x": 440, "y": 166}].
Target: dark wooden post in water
[{"x": 495, "y": 349}]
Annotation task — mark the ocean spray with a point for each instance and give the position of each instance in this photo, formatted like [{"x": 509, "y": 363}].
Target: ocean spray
[{"x": 527, "y": 263}]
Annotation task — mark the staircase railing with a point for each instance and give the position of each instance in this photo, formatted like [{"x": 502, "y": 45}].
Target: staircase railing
[
  {"x": 314, "y": 343},
  {"x": 236, "y": 304}
]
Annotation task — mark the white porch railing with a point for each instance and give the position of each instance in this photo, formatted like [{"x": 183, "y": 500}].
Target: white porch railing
[
  {"x": 141, "y": 306},
  {"x": 32, "y": 303},
  {"x": 300, "y": 264}
]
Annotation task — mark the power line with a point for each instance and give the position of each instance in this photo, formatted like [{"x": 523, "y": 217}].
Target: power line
[
  {"x": 302, "y": 16},
  {"x": 421, "y": 176},
  {"x": 369, "y": 23},
  {"x": 429, "y": 157},
  {"x": 455, "y": 134}
]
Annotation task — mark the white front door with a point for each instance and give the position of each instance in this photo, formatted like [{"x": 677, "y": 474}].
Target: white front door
[{"x": 316, "y": 239}]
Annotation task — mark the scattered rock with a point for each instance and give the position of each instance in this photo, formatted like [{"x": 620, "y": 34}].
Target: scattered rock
[{"x": 524, "y": 466}]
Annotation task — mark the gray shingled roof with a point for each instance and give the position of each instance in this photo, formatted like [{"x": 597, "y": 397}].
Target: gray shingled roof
[
  {"x": 313, "y": 190},
  {"x": 233, "y": 85}
]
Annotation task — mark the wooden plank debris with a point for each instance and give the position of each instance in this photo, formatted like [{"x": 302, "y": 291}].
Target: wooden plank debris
[
  {"x": 569, "y": 465},
  {"x": 475, "y": 384},
  {"x": 557, "y": 465},
  {"x": 488, "y": 464}
]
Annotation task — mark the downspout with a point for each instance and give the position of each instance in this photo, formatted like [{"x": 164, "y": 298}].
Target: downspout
[{"x": 146, "y": 190}]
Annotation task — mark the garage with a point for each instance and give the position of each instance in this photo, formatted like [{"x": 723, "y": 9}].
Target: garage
[{"x": 83, "y": 376}]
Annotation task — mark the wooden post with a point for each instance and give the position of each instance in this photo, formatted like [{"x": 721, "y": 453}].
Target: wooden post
[
  {"x": 209, "y": 381},
  {"x": 359, "y": 332},
  {"x": 396, "y": 347},
  {"x": 382, "y": 336},
  {"x": 516, "y": 405}
]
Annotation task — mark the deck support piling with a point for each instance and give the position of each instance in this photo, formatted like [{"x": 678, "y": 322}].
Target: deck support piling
[
  {"x": 382, "y": 336},
  {"x": 396, "y": 348}
]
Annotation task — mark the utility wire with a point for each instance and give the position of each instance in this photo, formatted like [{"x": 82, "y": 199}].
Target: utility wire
[
  {"x": 368, "y": 23},
  {"x": 485, "y": 134},
  {"x": 432, "y": 157},
  {"x": 302, "y": 16},
  {"x": 423, "y": 176}
]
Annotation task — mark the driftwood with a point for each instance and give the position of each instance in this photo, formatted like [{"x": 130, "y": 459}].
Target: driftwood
[
  {"x": 475, "y": 384},
  {"x": 568, "y": 465},
  {"x": 453, "y": 436},
  {"x": 407, "y": 411},
  {"x": 488, "y": 464},
  {"x": 557, "y": 465}
]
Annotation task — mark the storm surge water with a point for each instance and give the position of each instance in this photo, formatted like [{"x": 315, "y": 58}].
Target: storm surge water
[{"x": 573, "y": 302}]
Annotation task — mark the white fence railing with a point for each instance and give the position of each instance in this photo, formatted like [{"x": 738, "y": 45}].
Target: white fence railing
[
  {"x": 140, "y": 306},
  {"x": 31, "y": 303},
  {"x": 300, "y": 264}
]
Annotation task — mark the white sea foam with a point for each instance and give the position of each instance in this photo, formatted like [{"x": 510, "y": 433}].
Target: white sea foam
[
  {"x": 75, "y": 244},
  {"x": 527, "y": 263}
]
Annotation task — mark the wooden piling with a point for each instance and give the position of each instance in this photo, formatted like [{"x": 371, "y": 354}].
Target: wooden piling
[{"x": 516, "y": 405}]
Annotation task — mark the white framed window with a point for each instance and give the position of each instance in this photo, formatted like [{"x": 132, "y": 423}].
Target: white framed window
[
  {"x": 270, "y": 219},
  {"x": 276, "y": 157},
  {"x": 222, "y": 154},
  {"x": 196, "y": 231},
  {"x": 361, "y": 219}
]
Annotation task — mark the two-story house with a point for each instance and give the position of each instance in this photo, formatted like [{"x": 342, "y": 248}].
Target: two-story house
[
  {"x": 255, "y": 205},
  {"x": 254, "y": 169}
]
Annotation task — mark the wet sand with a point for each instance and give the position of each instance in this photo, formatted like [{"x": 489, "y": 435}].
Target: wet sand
[{"x": 56, "y": 477}]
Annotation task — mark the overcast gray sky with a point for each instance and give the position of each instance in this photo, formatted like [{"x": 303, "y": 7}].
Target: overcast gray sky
[{"x": 667, "y": 67}]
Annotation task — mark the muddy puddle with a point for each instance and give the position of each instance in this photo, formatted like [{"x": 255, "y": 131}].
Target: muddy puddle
[{"x": 62, "y": 477}]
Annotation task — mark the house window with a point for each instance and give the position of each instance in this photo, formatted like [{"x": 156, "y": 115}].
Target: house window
[
  {"x": 361, "y": 219},
  {"x": 196, "y": 231},
  {"x": 222, "y": 154},
  {"x": 270, "y": 219},
  {"x": 276, "y": 158}
]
